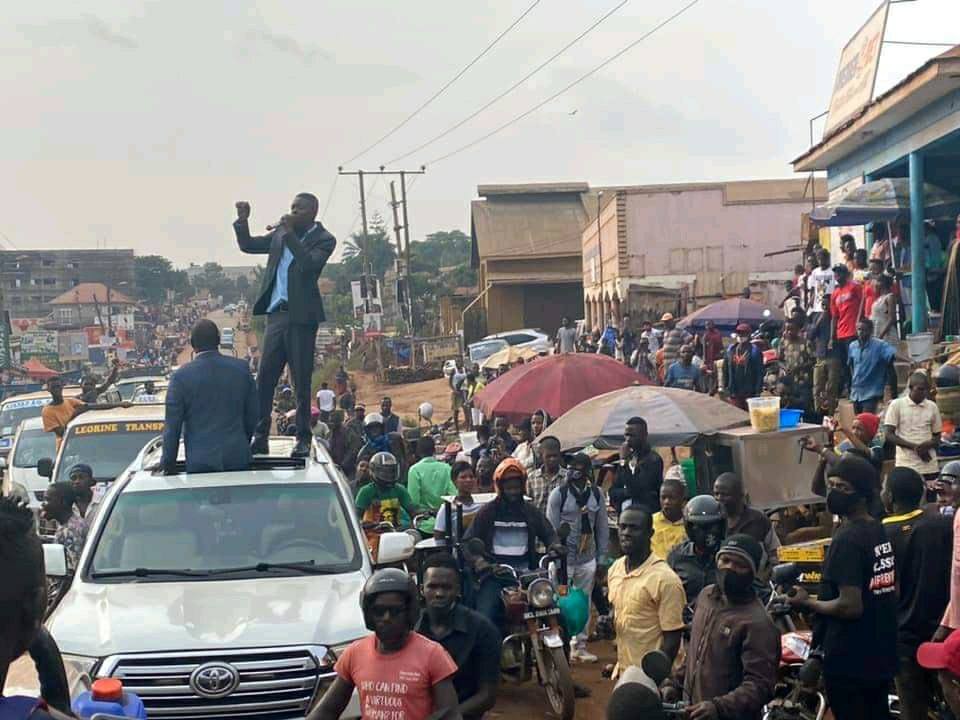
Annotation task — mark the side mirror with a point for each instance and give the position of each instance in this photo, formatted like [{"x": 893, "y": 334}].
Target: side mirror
[
  {"x": 55, "y": 560},
  {"x": 395, "y": 547},
  {"x": 45, "y": 468}
]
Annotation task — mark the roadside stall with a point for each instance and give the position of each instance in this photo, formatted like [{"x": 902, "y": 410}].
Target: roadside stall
[{"x": 719, "y": 436}]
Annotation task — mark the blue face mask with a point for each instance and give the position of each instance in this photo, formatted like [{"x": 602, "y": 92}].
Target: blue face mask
[{"x": 380, "y": 444}]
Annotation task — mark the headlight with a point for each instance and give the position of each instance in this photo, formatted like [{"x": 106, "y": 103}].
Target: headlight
[
  {"x": 79, "y": 672},
  {"x": 540, "y": 593}
]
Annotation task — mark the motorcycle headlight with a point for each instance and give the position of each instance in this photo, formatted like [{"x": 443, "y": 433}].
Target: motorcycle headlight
[
  {"x": 79, "y": 672},
  {"x": 540, "y": 594}
]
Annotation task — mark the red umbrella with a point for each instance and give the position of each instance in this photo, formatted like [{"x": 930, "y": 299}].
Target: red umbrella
[{"x": 555, "y": 384}]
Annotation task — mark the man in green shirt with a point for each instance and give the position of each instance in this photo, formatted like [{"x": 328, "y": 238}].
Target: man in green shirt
[
  {"x": 383, "y": 500},
  {"x": 428, "y": 481}
]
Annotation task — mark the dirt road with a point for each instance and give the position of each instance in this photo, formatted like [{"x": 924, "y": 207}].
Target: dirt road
[
  {"x": 241, "y": 339},
  {"x": 406, "y": 398}
]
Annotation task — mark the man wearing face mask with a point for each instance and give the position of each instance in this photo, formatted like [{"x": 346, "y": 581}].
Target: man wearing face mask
[
  {"x": 856, "y": 608},
  {"x": 734, "y": 647}
]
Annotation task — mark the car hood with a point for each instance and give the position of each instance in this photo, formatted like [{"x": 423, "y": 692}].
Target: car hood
[{"x": 104, "y": 619}]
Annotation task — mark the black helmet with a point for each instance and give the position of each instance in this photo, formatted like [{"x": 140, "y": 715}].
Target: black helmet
[
  {"x": 390, "y": 580},
  {"x": 704, "y": 522},
  {"x": 384, "y": 467}
]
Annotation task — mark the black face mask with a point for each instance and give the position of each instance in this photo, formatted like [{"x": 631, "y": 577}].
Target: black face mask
[
  {"x": 839, "y": 502},
  {"x": 734, "y": 585}
]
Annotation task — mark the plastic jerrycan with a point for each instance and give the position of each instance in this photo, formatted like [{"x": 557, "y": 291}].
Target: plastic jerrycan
[{"x": 107, "y": 697}]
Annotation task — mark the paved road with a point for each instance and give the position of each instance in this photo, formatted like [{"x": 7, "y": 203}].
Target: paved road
[{"x": 223, "y": 320}]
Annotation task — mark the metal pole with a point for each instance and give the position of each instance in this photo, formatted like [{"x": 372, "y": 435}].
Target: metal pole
[
  {"x": 603, "y": 304},
  {"x": 918, "y": 268},
  {"x": 406, "y": 244}
]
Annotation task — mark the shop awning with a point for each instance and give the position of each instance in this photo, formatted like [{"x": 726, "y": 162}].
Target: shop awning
[{"x": 883, "y": 201}]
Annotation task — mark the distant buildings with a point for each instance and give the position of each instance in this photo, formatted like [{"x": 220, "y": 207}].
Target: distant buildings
[{"x": 30, "y": 279}]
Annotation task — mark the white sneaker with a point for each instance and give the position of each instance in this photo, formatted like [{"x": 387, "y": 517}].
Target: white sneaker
[{"x": 581, "y": 654}]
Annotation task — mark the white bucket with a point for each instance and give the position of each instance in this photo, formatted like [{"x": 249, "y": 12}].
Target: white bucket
[{"x": 920, "y": 346}]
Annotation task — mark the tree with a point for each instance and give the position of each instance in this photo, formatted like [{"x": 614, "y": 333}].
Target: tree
[
  {"x": 154, "y": 275},
  {"x": 376, "y": 249}
]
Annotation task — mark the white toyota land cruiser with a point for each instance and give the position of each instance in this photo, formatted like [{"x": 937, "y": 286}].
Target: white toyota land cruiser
[{"x": 219, "y": 595}]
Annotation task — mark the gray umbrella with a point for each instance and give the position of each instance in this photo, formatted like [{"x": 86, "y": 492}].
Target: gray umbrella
[{"x": 674, "y": 417}]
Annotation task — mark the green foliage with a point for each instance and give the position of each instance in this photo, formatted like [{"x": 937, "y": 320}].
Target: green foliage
[
  {"x": 376, "y": 249},
  {"x": 154, "y": 275}
]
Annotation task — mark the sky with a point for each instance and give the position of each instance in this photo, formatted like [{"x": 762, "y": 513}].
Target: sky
[{"x": 139, "y": 124}]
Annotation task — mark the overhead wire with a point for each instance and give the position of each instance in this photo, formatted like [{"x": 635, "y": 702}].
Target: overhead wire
[
  {"x": 443, "y": 89},
  {"x": 567, "y": 87},
  {"x": 326, "y": 205},
  {"x": 513, "y": 87}
]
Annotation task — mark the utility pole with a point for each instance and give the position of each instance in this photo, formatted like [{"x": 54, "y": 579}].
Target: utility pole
[{"x": 401, "y": 252}]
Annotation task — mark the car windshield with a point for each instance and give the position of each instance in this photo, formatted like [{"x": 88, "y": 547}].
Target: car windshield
[
  {"x": 228, "y": 529},
  {"x": 16, "y": 411},
  {"x": 128, "y": 388},
  {"x": 106, "y": 447},
  {"x": 482, "y": 350},
  {"x": 33, "y": 445}
]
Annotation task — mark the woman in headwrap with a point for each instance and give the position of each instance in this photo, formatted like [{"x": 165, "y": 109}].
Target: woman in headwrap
[{"x": 528, "y": 451}]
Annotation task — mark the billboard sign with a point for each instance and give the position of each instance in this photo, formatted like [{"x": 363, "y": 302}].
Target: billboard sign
[{"x": 857, "y": 74}]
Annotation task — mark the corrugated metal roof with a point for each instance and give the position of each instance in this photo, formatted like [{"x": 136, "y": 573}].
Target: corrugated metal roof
[
  {"x": 84, "y": 293},
  {"x": 527, "y": 225},
  {"x": 742, "y": 192},
  {"x": 532, "y": 189}
]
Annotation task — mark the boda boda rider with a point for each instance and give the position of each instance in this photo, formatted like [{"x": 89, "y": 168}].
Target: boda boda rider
[
  {"x": 396, "y": 671},
  {"x": 734, "y": 647},
  {"x": 509, "y": 528},
  {"x": 694, "y": 560}
]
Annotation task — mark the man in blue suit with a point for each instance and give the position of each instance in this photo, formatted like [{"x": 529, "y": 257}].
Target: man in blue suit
[{"x": 213, "y": 401}]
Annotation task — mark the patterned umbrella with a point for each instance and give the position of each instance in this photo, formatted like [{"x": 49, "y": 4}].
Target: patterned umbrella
[{"x": 674, "y": 417}]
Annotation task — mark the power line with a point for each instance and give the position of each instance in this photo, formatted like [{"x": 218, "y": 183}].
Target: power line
[
  {"x": 513, "y": 87},
  {"x": 326, "y": 205},
  {"x": 579, "y": 80},
  {"x": 440, "y": 92}
]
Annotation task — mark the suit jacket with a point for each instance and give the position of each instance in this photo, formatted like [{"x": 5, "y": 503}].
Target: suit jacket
[
  {"x": 309, "y": 258},
  {"x": 212, "y": 400}
]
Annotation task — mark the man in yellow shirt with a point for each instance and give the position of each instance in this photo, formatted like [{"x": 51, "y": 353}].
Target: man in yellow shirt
[
  {"x": 647, "y": 596},
  {"x": 668, "y": 527}
]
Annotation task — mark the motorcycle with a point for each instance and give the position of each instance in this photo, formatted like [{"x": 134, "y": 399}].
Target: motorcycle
[{"x": 533, "y": 637}]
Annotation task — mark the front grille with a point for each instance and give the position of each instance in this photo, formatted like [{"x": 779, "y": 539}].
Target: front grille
[{"x": 273, "y": 684}]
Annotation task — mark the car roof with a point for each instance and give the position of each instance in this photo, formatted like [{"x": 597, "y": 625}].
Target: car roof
[
  {"x": 68, "y": 391},
  {"x": 140, "y": 379},
  {"x": 278, "y": 468},
  {"x": 529, "y": 331},
  {"x": 144, "y": 411}
]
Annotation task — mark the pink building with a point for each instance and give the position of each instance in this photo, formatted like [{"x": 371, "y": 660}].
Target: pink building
[{"x": 699, "y": 241}]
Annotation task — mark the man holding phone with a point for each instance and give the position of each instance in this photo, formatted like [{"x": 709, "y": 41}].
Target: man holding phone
[{"x": 298, "y": 248}]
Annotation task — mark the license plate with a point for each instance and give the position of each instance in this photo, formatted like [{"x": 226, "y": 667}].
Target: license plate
[{"x": 541, "y": 613}]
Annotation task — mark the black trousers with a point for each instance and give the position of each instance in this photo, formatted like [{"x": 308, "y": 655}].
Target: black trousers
[
  {"x": 286, "y": 343},
  {"x": 856, "y": 699}
]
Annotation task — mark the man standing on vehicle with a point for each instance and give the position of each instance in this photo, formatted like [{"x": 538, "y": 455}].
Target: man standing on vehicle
[
  {"x": 922, "y": 547},
  {"x": 298, "y": 249},
  {"x": 398, "y": 673},
  {"x": 640, "y": 471},
  {"x": 646, "y": 595},
  {"x": 58, "y": 413},
  {"x": 467, "y": 636},
  {"x": 212, "y": 402},
  {"x": 90, "y": 391},
  {"x": 582, "y": 506},
  {"x": 734, "y": 648},
  {"x": 857, "y": 603}
]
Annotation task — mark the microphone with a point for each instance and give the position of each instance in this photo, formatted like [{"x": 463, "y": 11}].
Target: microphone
[{"x": 275, "y": 226}]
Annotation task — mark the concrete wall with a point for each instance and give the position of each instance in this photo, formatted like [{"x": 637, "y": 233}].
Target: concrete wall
[{"x": 692, "y": 231}]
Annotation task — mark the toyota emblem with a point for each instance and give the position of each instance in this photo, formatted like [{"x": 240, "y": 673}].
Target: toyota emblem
[{"x": 214, "y": 680}]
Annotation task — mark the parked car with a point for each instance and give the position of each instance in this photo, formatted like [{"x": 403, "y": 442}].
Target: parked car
[
  {"x": 20, "y": 477},
  {"x": 229, "y": 572},
  {"x": 482, "y": 349},
  {"x": 536, "y": 340}
]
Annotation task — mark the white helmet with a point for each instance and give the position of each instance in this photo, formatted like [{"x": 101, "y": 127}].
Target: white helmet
[
  {"x": 372, "y": 419},
  {"x": 426, "y": 411}
]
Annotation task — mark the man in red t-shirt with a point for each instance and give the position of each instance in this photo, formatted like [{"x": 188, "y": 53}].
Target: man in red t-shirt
[
  {"x": 845, "y": 310},
  {"x": 399, "y": 674}
]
